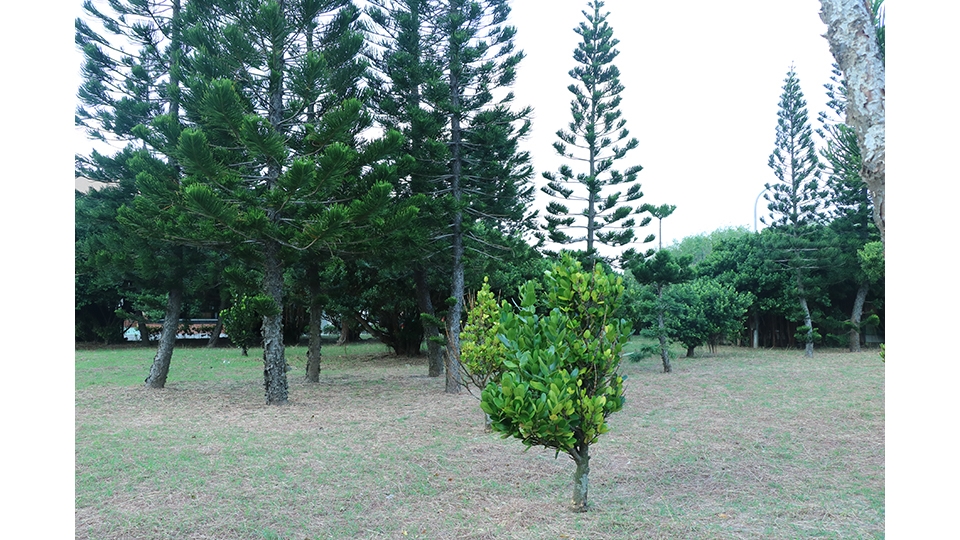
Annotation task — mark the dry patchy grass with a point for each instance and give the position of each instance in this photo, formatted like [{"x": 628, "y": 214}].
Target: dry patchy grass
[{"x": 746, "y": 444}]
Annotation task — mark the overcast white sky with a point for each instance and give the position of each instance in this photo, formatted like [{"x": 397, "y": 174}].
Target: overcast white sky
[{"x": 703, "y": 80}]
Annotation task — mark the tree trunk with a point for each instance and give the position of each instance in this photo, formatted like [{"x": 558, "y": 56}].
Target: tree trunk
[
  {"x": 168, "y": 339},
  {"x": 581, "y": 477},
  {"x": 855, "y": 317},
  {"x": 662, "y": 332},
  {"x": 456, "y": 310},
  {"x": 145, "y": 330},
  {"x": 690, "y": 351},
  {"x": 807, "y": 321},
  {"x": 756, "y": 330},
  {"x": 430, "y": 331},
  {"x": 274, "y": 361},
  {"x": 314, "y": 344},
  {"x": 217, "y": 328},
  {"x": 346, "y": 329},
  {"x": 853, "y": 43}
]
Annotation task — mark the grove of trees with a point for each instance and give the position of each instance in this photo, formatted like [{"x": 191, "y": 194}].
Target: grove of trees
[{"x": 288, "y": 162}]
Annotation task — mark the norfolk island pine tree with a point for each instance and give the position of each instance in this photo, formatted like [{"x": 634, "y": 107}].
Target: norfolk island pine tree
[
  {"x": 796, "y": 200},
  {"x": 440, "y": 78},
  {"x": 594, "y": 138},
  {"x": 258, "y": 170}
]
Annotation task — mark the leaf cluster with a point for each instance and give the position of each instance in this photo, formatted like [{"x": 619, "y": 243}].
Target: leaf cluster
[{"x": 561, "y": 377}]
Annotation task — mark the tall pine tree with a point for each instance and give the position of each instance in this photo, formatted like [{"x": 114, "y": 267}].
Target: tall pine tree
[
  {"x": 444, "y": 71},
  {"x": 594, "y": 138},
  {"x": 796, "y": 200},
  {"x": 132, "y": 94}
]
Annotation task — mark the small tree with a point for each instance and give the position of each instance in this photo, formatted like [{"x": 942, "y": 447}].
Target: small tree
[
  {"x": 560, "y": 378},
  {"x": 481, "y": 351},
  {"x": 705, "y": 311},
  {"x": 660, "y": 272},
  {"x": 244, "y": 318}
]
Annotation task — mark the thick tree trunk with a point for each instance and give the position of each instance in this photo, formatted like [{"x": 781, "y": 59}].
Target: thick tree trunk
[
  {"x": 430, "y": 331},
  {"x": 168, "y": 339},
  {"x": 853, "y": 42},
  {"x": 274, "y": 361},
  {"x": 690, "y": 351},
  {"x": 855, "y": 316},
  {"x": 314, "y": 344},
  {"x": 581, "y": 477}
]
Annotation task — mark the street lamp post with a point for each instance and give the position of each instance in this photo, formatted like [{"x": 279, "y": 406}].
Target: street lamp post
[{"x": 755, "y": 209}]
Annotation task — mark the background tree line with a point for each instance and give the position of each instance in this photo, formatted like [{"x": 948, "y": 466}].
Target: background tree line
[{"x": 289, "y": 162}]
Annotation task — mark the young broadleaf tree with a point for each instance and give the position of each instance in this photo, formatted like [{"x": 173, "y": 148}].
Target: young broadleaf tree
[
  {"x": 560, "y": 379},
  {"x": 594, "y": 139},
  {"x": 796, "y": 200}
]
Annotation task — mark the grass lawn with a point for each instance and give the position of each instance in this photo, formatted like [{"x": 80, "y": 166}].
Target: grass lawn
[{"x": 742, "y": 444}]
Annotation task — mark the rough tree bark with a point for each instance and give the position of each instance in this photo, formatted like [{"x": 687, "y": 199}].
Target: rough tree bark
[
  {"x": 855, "y": 316},
  {"x": 581, "y": 456},
  {"x": 430, "y": 329},
  {"x": 274, "y": 360},
  {"x": 168, "y": 339},
  {"x": 853, "y": 43},
  {"x": 452, "y": 358}
]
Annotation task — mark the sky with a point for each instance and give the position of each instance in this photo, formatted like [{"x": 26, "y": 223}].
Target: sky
[{"x": 702, "y": 85}]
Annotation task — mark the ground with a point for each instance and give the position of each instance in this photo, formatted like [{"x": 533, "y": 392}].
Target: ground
[{"x": 746, "y": 444}]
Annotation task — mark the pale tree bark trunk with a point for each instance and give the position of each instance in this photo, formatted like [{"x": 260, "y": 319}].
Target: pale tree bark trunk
[
  {"x": 168, "y": 339},
  {"x": 808, "y": 348},
  {"x": 756, "y": 330},
  {"x": 581, "y": 457},
  {"x": 274, "y": 360},
  {"x": 855, "y": 316},
  {"x": 430, "y": 330},
  {"x": 853, "y": 42}
]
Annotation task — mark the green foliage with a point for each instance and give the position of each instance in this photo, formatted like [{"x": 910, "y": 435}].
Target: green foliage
[
  {"x": 599, "y": 131},
  {"x": 705, "y": 311},
  {"x": 242, "y": 320},
  {"x": 872, "y": 261},
  {"x": 481, "y": 351},
  {"x": 796, "y": 198},
  {"x": 561, "y": 376}
]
